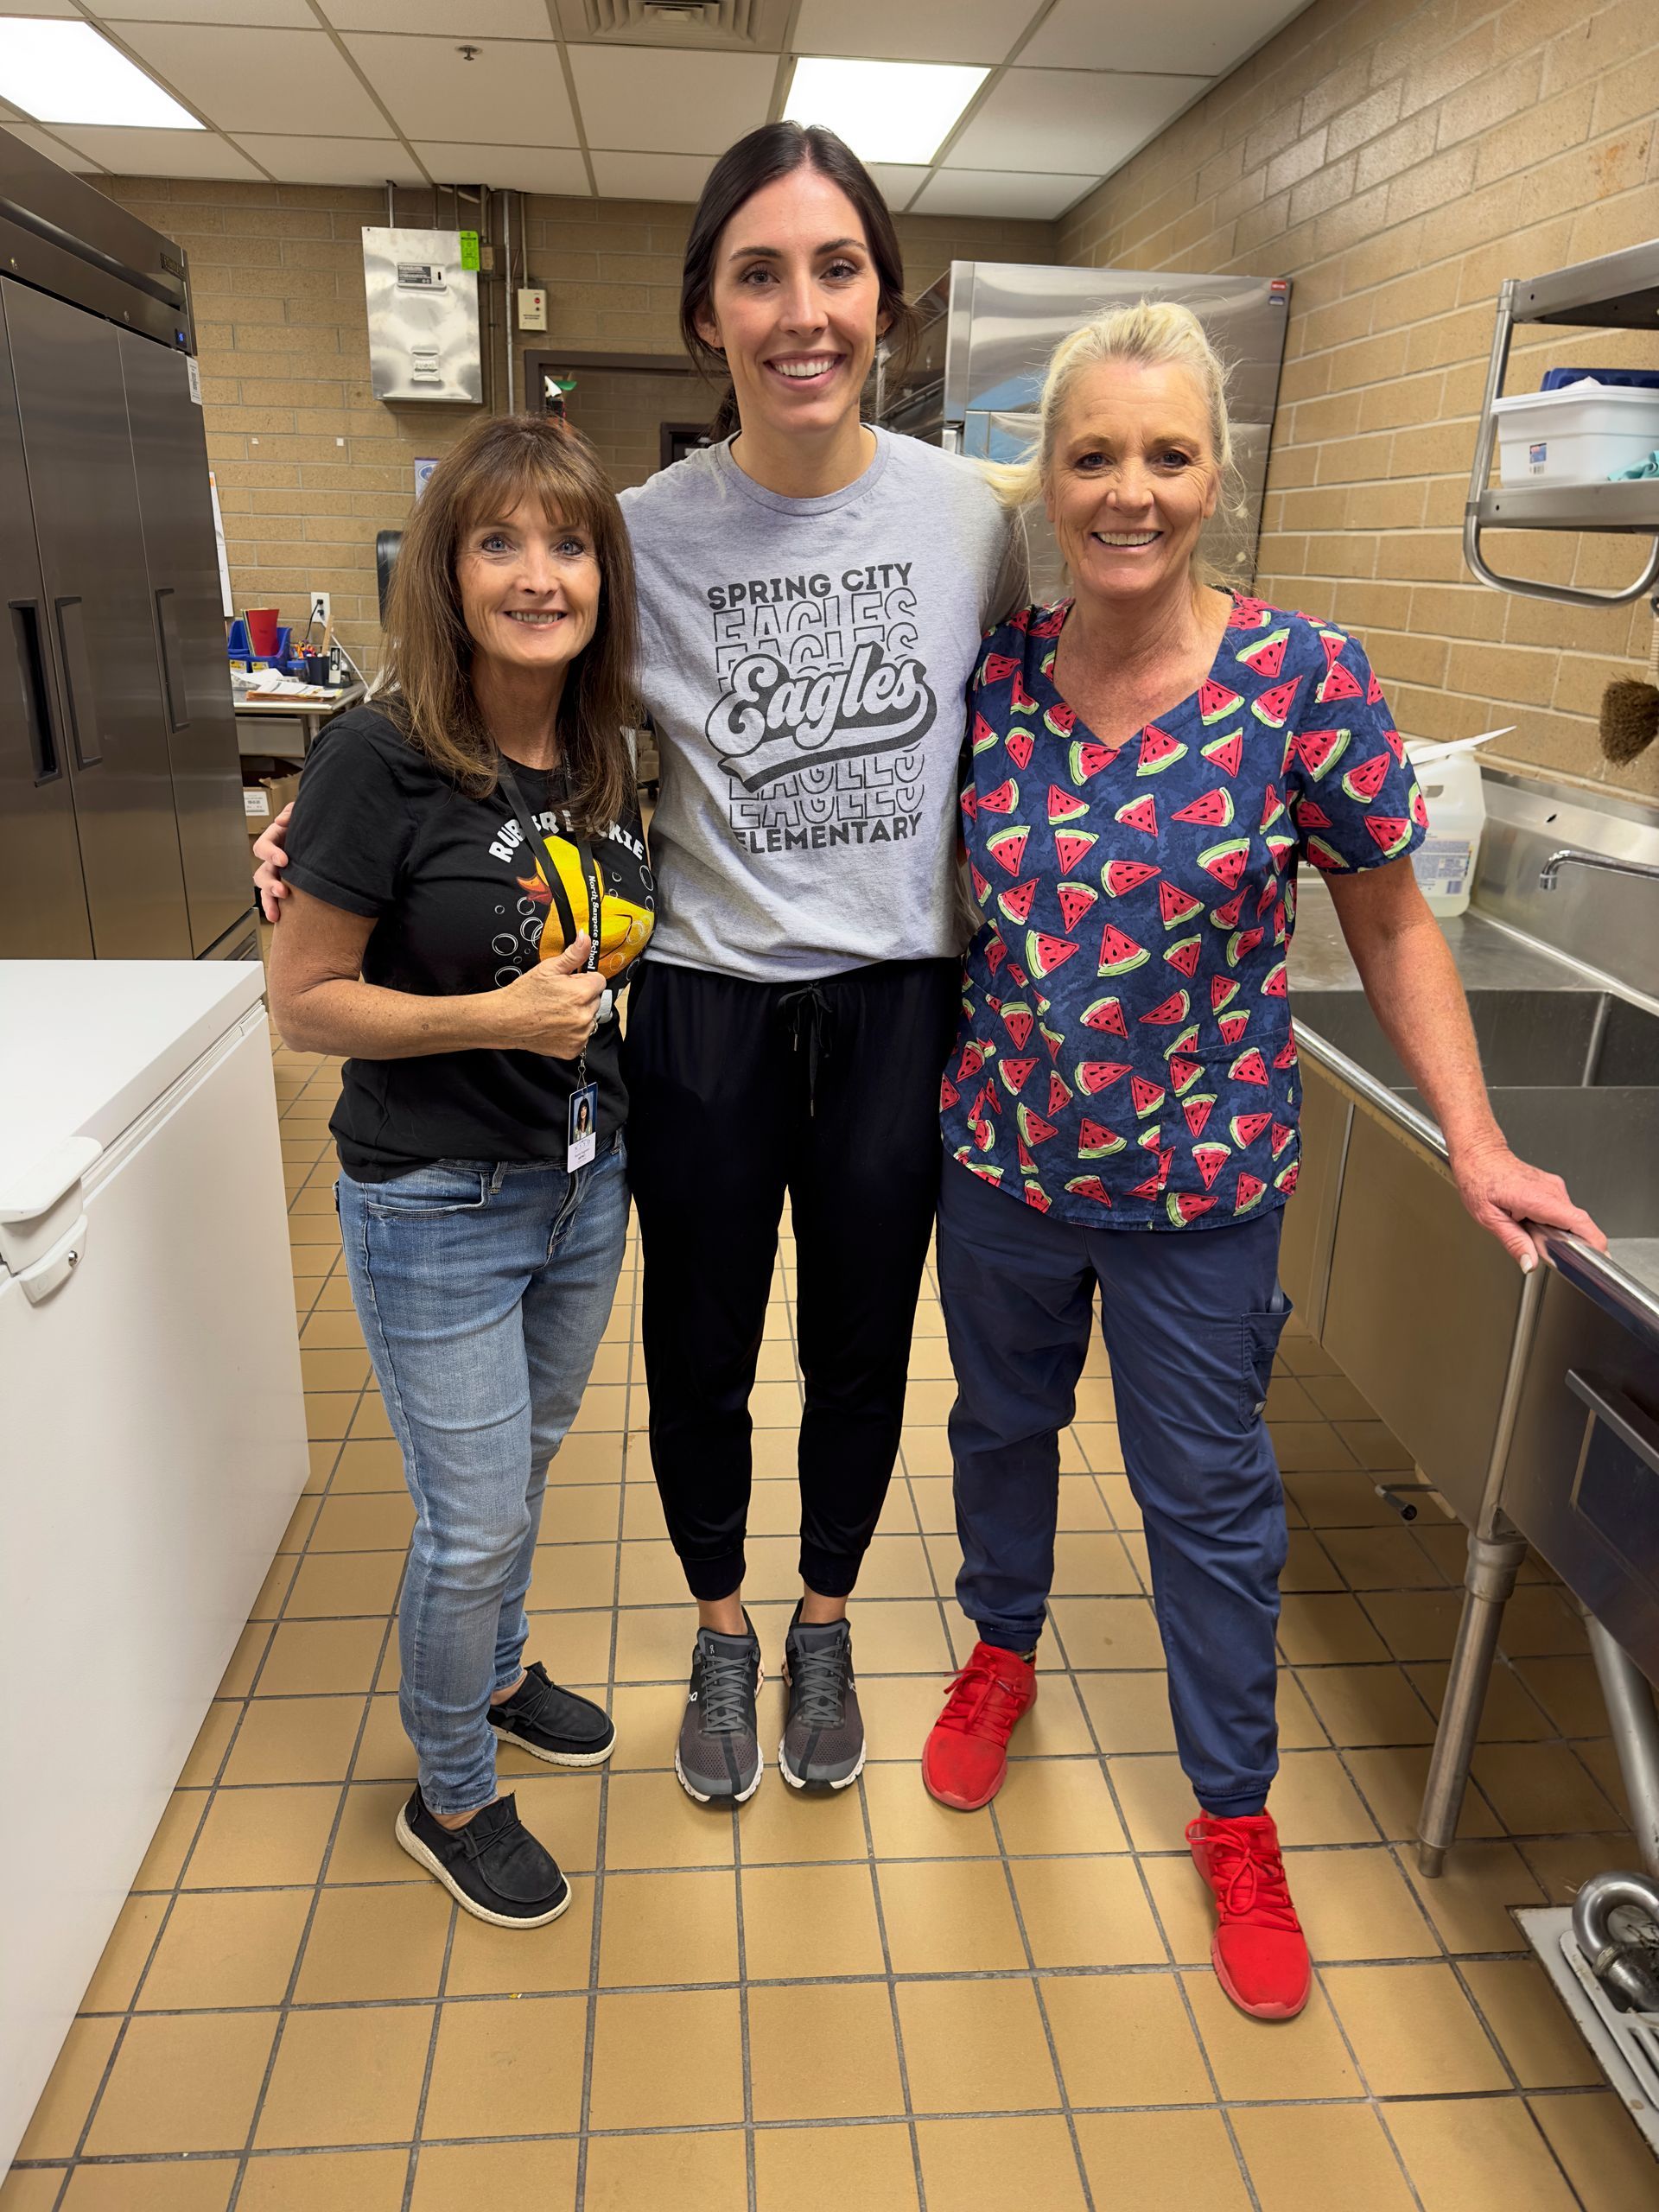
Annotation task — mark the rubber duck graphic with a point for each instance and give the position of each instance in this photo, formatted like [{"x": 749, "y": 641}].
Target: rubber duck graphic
[{"x": 623, "y": 927}]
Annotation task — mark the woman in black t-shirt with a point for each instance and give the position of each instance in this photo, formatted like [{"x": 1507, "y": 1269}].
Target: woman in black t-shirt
[{"x": 467, "y": 876}]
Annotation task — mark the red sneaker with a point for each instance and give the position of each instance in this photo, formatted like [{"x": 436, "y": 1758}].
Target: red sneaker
[
  {"x": 1260, "y": 1954},
  {"x": 966, "y": 1756}
]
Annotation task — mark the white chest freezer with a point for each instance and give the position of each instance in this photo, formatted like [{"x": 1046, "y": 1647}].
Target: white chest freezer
[{"x": 152, "y": 1432}]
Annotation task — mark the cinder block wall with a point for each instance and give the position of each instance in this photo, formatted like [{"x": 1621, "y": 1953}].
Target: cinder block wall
[
  {"x": 309, "y": 464},
  {"x": 1397, "y": 159}
]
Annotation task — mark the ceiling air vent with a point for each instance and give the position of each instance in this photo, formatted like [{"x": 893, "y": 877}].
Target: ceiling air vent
[{"x": 728, "y": 18}]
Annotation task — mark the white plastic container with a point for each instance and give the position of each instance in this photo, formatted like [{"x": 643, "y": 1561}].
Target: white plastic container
[
  {"x": 1583, "y": 434},
  {"x": 1444, "y": 863}
]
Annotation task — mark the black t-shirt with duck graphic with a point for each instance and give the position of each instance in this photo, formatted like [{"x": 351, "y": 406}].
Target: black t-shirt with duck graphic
[{"x": 460, "y": 904}]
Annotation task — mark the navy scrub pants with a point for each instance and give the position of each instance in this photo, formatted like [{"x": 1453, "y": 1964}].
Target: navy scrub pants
[{"x": 1192, "y": 1319}]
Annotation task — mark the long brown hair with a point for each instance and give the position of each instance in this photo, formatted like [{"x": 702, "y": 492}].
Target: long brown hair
[
  {"x": 778, "y": 149},
  {"x": 426, "y": 683}
]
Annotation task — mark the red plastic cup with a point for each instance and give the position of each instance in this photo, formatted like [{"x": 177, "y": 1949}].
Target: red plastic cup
[{"x": 263, "y": 625}]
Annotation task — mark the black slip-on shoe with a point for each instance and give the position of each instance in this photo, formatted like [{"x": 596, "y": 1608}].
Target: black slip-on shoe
[
  {"x": 493, "y": 1867},
  {"x": 718, "y": 1756},
  {"x": 823, "y": 1742},
  {"x": 553, "y": 1724}
]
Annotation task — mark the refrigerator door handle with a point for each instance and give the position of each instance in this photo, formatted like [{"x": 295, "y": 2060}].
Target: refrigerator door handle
[
  {"x": 36, "y": 690},
  {"x": 78, "y": 681},
  {"x": 167, "y": 642},
  {"x": 43, "y": 1218}
]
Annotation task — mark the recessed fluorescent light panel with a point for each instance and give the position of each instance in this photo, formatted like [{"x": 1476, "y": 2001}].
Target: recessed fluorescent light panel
[
  {"x": 886, "y": 110},
  {"x": 62, "y": 71}
]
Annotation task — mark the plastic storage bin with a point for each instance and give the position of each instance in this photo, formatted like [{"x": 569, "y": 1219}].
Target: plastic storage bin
[
  {"x": 1444, "y": 863},
  {"x": 1574, "y": 436}
]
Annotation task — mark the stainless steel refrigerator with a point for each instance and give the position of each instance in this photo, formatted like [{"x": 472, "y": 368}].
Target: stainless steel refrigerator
[
  {"x": 988, "y": 328},
  {"x": 121, "y": 830}
]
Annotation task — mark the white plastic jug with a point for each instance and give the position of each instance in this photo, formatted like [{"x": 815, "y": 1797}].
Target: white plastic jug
[{"x": 1445, "y": 863}]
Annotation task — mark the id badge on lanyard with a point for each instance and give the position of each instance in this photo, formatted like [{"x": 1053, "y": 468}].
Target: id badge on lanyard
[{"x": 581, "y": 1128}]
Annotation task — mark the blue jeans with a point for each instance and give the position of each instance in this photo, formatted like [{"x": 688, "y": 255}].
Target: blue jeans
[
  {"x": 483, "y": 1289},
  {"x": 1192, "y": 1319}
]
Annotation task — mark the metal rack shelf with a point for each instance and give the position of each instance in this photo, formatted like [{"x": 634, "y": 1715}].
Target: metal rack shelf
[{"x": 1618, "y": 291}]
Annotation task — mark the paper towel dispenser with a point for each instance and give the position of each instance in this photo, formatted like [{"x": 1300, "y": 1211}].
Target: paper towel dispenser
[{"x": 423, "y": 301}]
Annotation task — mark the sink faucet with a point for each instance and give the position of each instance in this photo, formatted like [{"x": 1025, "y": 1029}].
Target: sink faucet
[{"x": 1550, "y": 872}]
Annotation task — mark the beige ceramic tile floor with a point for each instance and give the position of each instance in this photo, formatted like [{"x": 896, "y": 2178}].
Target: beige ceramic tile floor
[{"x": 867, "y": 2001}]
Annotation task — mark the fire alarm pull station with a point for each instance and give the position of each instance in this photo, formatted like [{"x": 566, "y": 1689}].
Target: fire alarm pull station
[{"x": 532, "y": 310}]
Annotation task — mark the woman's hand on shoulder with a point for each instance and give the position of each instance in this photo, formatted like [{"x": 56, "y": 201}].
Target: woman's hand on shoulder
[
  {"x": 1503, "y": 1193},
  {"x": 553, "y": 1008},
  {"x": 271, "y": 853}
]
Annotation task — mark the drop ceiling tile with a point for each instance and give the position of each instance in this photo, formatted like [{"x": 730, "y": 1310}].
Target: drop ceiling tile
[
  {"x": 506, "y": 169},
  {"x": 293, "y": 14},
  {"x": 911, "y": 30},
  {"x": 897, "y": 182},
  {"x": 43, "y": 141},
  {"x": 29, "y": 8},
  {"x": 1017, "y": 194},
  {"x": 460, "y": 19},
  {"x": 1178, "y": 36},
  {"x": 511, "y": 90},
  {"x": 158, "y": 153},
  {"x": 652, "y": 176},
  {"x": 253, "y": 80},
  {"x": 330, "y": 160},
  {"x": 674, "y": 101},
  {"x": 1058, "y": 121}
]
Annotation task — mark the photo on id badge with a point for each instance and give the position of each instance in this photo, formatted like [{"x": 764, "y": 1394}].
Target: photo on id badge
[{"x": 581, "y": 1139}]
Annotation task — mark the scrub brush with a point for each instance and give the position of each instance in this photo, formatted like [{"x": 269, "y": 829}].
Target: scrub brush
[{"x": 1629, "y": 708}]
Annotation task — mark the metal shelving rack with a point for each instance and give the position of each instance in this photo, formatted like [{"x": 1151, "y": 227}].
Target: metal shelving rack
[{"x": 1619, "y": 291}]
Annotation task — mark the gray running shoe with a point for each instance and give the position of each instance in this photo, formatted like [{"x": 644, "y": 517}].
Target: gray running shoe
[
  {"x": 718, "y": 1756},
  {"x": 824, "y": 1736}
]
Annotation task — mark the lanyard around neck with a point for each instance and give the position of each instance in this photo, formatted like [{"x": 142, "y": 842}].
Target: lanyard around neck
[{"x": 547, "y": 872}]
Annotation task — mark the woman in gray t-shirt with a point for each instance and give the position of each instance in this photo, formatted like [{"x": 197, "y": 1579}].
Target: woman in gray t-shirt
[{"x": 813, "y": 593}]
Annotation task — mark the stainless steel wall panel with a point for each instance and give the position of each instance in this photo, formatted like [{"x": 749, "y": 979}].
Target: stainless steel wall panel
[{"x": 422, "y": 308}]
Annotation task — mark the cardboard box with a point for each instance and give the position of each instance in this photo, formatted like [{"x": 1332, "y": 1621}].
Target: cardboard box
[{"x": 263, "y": 801}]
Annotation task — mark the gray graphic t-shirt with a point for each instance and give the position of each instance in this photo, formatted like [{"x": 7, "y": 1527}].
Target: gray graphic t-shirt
[{"x": 805, "y": 663}]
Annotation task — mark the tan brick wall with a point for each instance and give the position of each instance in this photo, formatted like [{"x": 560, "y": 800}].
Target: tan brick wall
[
  {"x": 1397, "y": 160},
  {"x": 309, "y": 464}
]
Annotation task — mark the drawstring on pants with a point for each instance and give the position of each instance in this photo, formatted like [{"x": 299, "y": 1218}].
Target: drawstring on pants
[{"x": 810, "y": 1015}]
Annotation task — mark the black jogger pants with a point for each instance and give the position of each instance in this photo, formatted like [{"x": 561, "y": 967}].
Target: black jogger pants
[{"x": 741, "y": 1091}]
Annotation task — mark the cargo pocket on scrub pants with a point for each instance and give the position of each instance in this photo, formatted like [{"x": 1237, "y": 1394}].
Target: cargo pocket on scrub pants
[{"x": 1259, "y": 1334}]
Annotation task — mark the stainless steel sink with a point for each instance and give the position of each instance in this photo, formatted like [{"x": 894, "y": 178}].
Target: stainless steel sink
[{"x": 1529, "y": 1038}]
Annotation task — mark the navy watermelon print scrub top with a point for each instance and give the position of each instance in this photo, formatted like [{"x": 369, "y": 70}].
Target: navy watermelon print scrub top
[{"x": 1125, "y": 1057}]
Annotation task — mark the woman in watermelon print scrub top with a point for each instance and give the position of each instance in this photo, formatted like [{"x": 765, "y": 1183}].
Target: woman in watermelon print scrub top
[{"x": 1151, "y": 761}]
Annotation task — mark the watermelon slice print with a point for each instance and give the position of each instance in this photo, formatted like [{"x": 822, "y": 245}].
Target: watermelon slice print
[
  {"x": 995, "y": 952},
  {"x": 982, "y": 889},
  {"x": 1151, "y": 1140},
  {"x": 1120, "y": 876},
  {"x": 1326, "y": 857},
  {"x": 1265, "y": 655},
  {"x": 1054, "y": 1039},
  {"x": 1197, "y": 1110},
  {"x": 1211, "y": 810},
  {"x": 1247, "y": 1192},
  {"x": 1044, "y": 953},
  {"x": 1176, "y": 906},
  {"x": 1247, "y": 1128},
  {"x": 1396, "y": 745},
  {"x": 1007, "y": 847},
  {"x": 1064, "y": 806},
  {"x": 968, "y": 802},
  {"x": 1058, "y": 1096},
  {"x": 985, "y": 1172},
  {"x": 1318, "y": 750},
  {"x": 1020, "y": 748},
  {"x": 1158, "y": 751},
  {"x": 1232, "y": 1026},
  {"x": 1280, "y": 847},
  {"x": 1153, "y": 1186},
  {"x": 1223, "y": 991},
  {"x": 1002, "y": 800},
  {"x": 1183, "y": 1073},
  {"x": 1209, "y": 1159},
  {"x": 1389, "y": 833},
  {"x": 1373, "y": 693},
  {"x": 1061, "y": 720},
  {"x": 973, "y": 1058},
  {"x": 1015, "y": 1074},
  {"x": 997, "y": 668},
  {"x": 1285, "y": 1180},
  {"x": 1052, "y": 623},
  {"x": 1187, "y": 1205},
  {"x": 1364, "y": 782},
  {"x": 1249, "y": 1067},
  {"x": 1089, "y": 1186},
  {"x": 1242, "y": 944},
  {"x": 1334, "y": 641},
  {"x": 1139, "y": 814},
  {"x": 1034, "y": 1129},
  {"x": 1310, "y": 815},
  {"x": 1095, "y": 1142},
  {"x": 1282, "y": 1134},
  {"x": 1185, "y": 954},
  {"x": 1226, "y": 917},
  {"x": 1016, "y": 1019},
  {"x": 1272, "y": 807},
  {"x": 1037, "y": 1198},
  {"x": 1016, "y": 904},
  {"x": 1272, "y": 984},
  {"x": 1147, "y": 1097},
  {"x": 1249, "y": 613},
  {"x": 1096, "y": 1076},
  {"x": 1226, "y": 862},
  {"x": 1339, "y": 683},
  {"x": 1215, "y": 700},
  {"x": 948, "y": 1093},
  {"x": 1106, "y": 1014},
  {"x": 1275, "y": 705},
  {"x": 1088, "y": 758},
  {"x": 1072, "y": 847},
  {"x": 1118, "y": 953},
  {"x": 1076, "y": 899},
  {"x": 1020, "y": 698},
  {"x": 984, "y": 736},
  {"x": 1168, "y": 1012},
  {"x": 1027, "y": 1164},
  {"x": 1227, "y": 753},
  {"x": 1418, "y": 807},
  {"x": 1286, "y": 1056}
]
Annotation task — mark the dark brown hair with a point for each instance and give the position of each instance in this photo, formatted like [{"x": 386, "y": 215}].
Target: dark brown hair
[
  {"x": 778, "y": 149},
  {"x": 427, "y": 673}
]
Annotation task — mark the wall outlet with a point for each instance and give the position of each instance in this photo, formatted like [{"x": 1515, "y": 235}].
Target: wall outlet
[{"x": 321, "y": 602}]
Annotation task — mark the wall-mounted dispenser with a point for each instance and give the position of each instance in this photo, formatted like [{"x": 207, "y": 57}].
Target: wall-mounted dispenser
[{"x": 422, "y": 288}]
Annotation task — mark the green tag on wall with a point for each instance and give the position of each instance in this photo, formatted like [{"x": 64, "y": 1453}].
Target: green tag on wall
[{"x": 469, "y": 249}]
